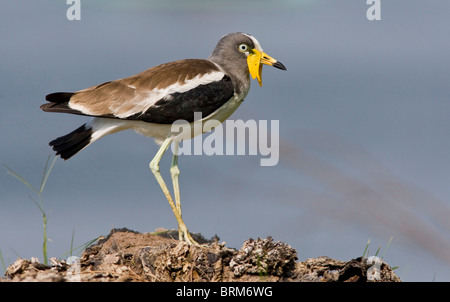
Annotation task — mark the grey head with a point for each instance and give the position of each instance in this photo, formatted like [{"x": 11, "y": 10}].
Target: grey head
[{"x": 231, "y": 54}]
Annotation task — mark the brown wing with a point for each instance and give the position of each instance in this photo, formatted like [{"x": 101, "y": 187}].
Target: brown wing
[{"x": 136, "y": 94}]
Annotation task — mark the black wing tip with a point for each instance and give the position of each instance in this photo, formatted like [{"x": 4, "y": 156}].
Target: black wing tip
[
  {"x": 58, "y": 102},
  {"x": 59, "y": 97}
]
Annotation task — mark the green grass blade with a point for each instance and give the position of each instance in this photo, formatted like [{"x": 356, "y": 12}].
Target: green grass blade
[
  {"x": 71, "y": 242},
  {"x": 38, "y": 205},
  {"x": 11, "y": 172},
  {"x": 46, "y": 173},
  {"x": 378, "y": 250},
  {"x": 387, "y": 246},
  {"x": 366, "y": 249},
  {"x": 81, "y": 247},
  {"x": 2, "y": 261},
  {"x": 44, "y": 245}
]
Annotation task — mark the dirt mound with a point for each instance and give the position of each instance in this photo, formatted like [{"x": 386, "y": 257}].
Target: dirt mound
[{"x": 125, "y": 255}]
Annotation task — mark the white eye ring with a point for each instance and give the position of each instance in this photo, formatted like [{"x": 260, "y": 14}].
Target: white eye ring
[{"x": 243, "y": 47}]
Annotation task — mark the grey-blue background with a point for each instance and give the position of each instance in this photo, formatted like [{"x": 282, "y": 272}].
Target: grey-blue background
[{"x": 364, "y": 115}]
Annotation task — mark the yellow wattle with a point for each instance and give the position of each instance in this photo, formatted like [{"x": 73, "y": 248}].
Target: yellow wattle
[{"x": 254, "y": 65}]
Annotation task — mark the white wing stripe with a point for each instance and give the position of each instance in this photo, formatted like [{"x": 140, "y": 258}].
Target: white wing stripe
[{"x": 145, "y": 102}]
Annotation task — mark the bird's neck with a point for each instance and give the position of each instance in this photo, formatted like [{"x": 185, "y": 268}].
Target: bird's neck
[{"x": 240, "y": 77}]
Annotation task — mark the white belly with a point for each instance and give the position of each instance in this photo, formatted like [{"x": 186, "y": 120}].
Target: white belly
[{"x": 178, "y": 131}]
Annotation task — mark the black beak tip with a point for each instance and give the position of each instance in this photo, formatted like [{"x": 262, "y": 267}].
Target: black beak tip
[{"x": 279, "y": 65}]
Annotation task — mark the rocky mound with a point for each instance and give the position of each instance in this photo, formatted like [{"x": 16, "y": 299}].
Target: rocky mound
[{"x": 125, "y": 255}]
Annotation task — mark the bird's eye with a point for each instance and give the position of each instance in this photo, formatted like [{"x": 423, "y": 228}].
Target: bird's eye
[{"x": 243, "y": 47}]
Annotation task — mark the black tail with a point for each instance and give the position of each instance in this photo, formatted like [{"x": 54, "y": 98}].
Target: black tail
[{"x": 70, "y": 144}]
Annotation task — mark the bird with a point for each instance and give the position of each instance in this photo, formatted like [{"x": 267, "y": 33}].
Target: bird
[{"x": 151, "y": 101}]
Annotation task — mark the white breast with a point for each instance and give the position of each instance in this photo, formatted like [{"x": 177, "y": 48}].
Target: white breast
[{"x": 162, "y": 131}]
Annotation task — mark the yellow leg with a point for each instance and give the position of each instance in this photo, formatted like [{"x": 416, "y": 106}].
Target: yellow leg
[
  {"x": 175, "y": 172},
  {"x": 176, "y": 209}
]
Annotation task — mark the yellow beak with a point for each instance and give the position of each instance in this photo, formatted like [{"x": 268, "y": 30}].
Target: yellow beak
[{"x": 254, "y": 60}]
